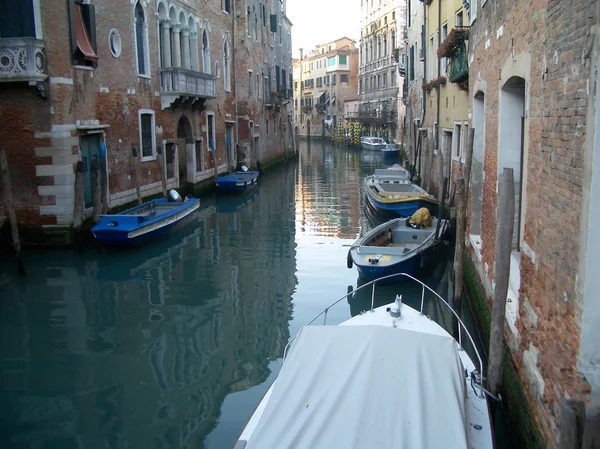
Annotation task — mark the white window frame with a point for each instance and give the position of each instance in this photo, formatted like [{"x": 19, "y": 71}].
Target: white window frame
[
  {"x": 148, "y": 71},
  {"x": 223, "y": 6},
  {"x": 206, "y": 54},
  {"x": 457, "y": 141},
  {"x": 209, "y": 114},
  {"x": 153, "y": 114},
  {"x": 444, "y": 60}
]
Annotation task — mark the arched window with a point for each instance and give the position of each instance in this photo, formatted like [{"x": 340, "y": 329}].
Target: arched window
[
  {"x": 226, "y": 67},
  {"x": 393, "y": 41},
  {"x": 205, "y": 52},
  {"x": 141, "y": 28}
]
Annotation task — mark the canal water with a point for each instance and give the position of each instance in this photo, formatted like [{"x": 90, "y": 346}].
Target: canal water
[{"x": 172, "y": 345}]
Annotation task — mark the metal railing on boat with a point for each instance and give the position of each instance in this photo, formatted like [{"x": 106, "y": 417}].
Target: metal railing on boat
[{"x": 461, "y": 325}]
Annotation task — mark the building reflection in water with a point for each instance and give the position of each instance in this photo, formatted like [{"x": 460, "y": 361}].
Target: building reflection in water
[{"x": 140, "y": 348}]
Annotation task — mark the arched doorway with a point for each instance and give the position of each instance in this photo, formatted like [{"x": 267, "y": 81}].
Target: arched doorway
[
  {"x": 185, "y": 150},
  {"x": 512, "y": 145}
]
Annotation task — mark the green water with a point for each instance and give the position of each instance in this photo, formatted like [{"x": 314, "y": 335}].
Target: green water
[{"x": 172, "y": 345}]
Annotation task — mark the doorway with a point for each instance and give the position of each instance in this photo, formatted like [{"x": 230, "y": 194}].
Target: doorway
[
  {"x": 229, "y": 145},
  {"x": 90, "y": 153},
  {"x": 185, "y": 149}
]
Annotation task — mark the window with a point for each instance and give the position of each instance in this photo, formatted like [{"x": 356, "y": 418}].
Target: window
[
  {"x": 333, "y": 79},
  {"x": 257, "y": 85},
  {"x": 18, "y": 19},
  {"x": 147, "y": 135},
  {"x": 226, "y": 68},
  {"x": 249, "y": 24},
  {"x": 141, "y": 31},
  {"x": 430, "y": 68},
  {"x": 343, "y": 78},
  {"x": 385, "y": 51},
  {"x": 226, "y": 6},
  {"x": 393, "y": 40},
  {"x": 393, "y": 78},
  {"x": 444, "y": 60},
  {"x": 210, "y": 130},
  {"x": 394, "y": 15},
  {"x": 249, "y": 83},
  {"x": 385, "y": 80},
  {"x": 378, "y": 48},
  {"x": 459, "y": 18},
  {"x": 360, "y": 86},
  {"x": 205, "y": 52},
  {"x": 114, "y": 43},
  {"x": 331, "y": 61},
  {"x": 199, "y": 155},
  {"x": 411, "y": 62},
  {"x": 457, "y": 142},
  {"x": 83, "y": 33}
]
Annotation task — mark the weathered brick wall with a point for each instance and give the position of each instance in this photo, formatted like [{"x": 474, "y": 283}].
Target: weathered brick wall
[{"x": 543, "y": 42}]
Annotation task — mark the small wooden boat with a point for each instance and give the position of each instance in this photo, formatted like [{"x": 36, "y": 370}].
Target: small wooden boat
[
  {"x": 395, "y": 247},
  {"x": 238, "y": 181},
  {"x": 390, "y": 150},
  {"x": 390, "y": 191},
  {"x": 372, "y": 143},
  {"x": 146, "y": 222},
  {"x": 387, "y": 378}
]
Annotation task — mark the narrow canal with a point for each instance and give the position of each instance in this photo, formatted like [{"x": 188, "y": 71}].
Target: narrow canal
[{"x": 172, "y": 345}]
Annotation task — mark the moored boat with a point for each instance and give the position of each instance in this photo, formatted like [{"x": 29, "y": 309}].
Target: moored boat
[
  {"x": 373, "y": 143},
  {"x": 391, "y": 191},
  {"x": 146, "y": 222},
  {"x": 396, "y": 247},
  {"x": 387, "y": 378},
  {"x": 238, "y": 181}
]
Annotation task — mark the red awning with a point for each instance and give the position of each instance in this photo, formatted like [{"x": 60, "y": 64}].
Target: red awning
[{"x": 83, "y": 37}]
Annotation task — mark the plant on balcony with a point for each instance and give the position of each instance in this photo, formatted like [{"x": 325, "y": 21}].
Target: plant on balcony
[
  {"x": 439, "y": 81},
  {"x": 456, "y": 37}
]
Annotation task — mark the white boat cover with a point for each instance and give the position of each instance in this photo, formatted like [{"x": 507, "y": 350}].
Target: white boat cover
[{"x": 366, "y": 387}]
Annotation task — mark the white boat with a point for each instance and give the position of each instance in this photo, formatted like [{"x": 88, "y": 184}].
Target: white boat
[
  {"x": 373, "y": 143},
  {"x": 386, "y": 378}
]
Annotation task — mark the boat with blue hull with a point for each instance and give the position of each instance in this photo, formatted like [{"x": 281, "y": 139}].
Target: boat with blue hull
[
  {"x": 396, "y": 247},
  {"x": 238, "y": 181},
  {"x": 145, "y": 223},
  {"x": 389, "y": 191}
]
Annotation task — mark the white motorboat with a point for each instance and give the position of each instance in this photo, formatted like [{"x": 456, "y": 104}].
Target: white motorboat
[
  {"x": 372, "y": 143},
  {"x": 389, "y": 377}
]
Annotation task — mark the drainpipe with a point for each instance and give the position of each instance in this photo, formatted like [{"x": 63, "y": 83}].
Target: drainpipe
[
  {"x": 439, "y": 67},
  {"x": 237, "y": 135}
]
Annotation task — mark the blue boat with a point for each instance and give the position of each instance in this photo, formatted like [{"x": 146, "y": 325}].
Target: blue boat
[
  {"x": 146, "y": 222},
  {"x": 390, "y": 191},
  {"x": 395, "y": 247},
  {"x": 238, "y": 181}
]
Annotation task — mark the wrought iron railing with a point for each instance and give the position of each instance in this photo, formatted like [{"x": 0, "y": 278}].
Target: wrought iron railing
[{"x": 22, "y": 59}]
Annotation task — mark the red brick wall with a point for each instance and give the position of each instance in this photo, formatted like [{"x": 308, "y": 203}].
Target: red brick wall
[{"x": 553, "y": 35}]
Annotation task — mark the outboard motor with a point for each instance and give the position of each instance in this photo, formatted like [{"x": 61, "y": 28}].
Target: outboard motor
[{"x": 174, "y": 195}]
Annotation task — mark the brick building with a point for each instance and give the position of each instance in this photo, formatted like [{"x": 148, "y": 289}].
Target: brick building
[
  {"x": 324, "y": 79},
  {"x": 533, "y": 102},
  {"x": 91, "y": 80}
]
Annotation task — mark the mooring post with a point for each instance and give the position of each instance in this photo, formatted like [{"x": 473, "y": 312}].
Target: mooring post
[
  {"x": 460, "y": 244},
  {"x": 426, "y": 172},
  {"x": 136, "y": 166},
  {"x": 96, "y": 188},
  {"x": 160, "y": 157},
  {"x": 505, "y": 214},
  {"x": 12, "y": 215},
  {"x": 572, "y": 422}
]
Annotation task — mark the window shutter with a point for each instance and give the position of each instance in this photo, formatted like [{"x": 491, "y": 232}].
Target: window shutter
[
  {"x": 273, "y": 23},
  {"x": 72, "y": 29}
]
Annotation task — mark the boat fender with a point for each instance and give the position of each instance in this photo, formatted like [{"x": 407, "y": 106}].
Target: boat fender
[
  {"x": 349, "y": 259},
  {"x": 174, "y": 195}
]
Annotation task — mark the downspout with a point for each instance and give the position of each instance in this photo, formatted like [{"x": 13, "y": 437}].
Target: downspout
[
  {"x": 237, "y": 135},
  {"x": 439, "y": 67}
]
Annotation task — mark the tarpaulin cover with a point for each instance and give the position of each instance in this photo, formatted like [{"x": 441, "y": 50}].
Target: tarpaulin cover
[{"x": 366, "y": 387}]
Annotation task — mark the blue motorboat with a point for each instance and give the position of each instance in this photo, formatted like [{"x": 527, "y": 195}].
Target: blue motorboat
[
  {"x": 238, "y": 181},
  {"x": 146, "y": 222},
  {"x": 390, "y": 191},
  {"x": 395, "y": 247}
]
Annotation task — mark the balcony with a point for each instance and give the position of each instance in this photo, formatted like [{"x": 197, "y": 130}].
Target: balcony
[
  {"x": 321, "y": 108},
  {"x": 22, "y": 59},
  {"x": 458, "y": 67},
  {"x": 307, "y": 109},
  {"x": 179, "y": 85}
]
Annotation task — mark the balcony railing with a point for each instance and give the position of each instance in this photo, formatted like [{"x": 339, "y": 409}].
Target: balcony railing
[
  {"x": 185, "y": 82},
  {"x": 321, "y": 108},
  {"x": 307, "y": 109},
  {"x": 22, "y": 59},
  {"x": 458, "y": 66}
]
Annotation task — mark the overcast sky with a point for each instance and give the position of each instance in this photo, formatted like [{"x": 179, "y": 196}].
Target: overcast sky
[{"x": 319, "y": 21}]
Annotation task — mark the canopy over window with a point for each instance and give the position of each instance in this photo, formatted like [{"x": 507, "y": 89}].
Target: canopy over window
[{"x": 84, "y": 42}]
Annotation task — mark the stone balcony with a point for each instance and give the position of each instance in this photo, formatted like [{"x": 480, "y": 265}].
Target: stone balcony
[
  {"x": 179, "y": 85},
  {"x": 22, "y": 59}
]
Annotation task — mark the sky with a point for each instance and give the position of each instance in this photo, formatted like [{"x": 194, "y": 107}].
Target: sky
[{"x": 320, "y": 21}]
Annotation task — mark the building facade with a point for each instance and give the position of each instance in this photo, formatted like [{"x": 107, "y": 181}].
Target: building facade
[
  {"x": 323, "y": 80},
  {"x": 152, "y": 83},
  {"x": 382, "y": 67},
  {"x": 534, "y": 105}
]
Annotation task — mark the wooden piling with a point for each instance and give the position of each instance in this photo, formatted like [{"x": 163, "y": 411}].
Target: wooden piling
[
  {"x": 572, "y": 421},
  {"x": 78, "y": 199},
  {"x": 137, "y": 174},
  {"x": 426, "y": 172},
  {"x": 12, "y": 215},
  {"x": 505, "y": 213},
  {"x": 460, "y": 243},
  {"x": 160, "y": 157},
  {"x": 96, "y": 189}
]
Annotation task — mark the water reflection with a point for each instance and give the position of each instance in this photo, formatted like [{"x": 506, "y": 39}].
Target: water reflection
[{"x": 140, "y": 348}]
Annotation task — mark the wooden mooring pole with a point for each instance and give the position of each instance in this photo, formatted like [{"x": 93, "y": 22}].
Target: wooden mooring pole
[
  {"x": 505, "y": 214},
  {"x": 12, "y": 215},
  {"x": 160, "y": 157},
  {"x": 137, "y": 174}
]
